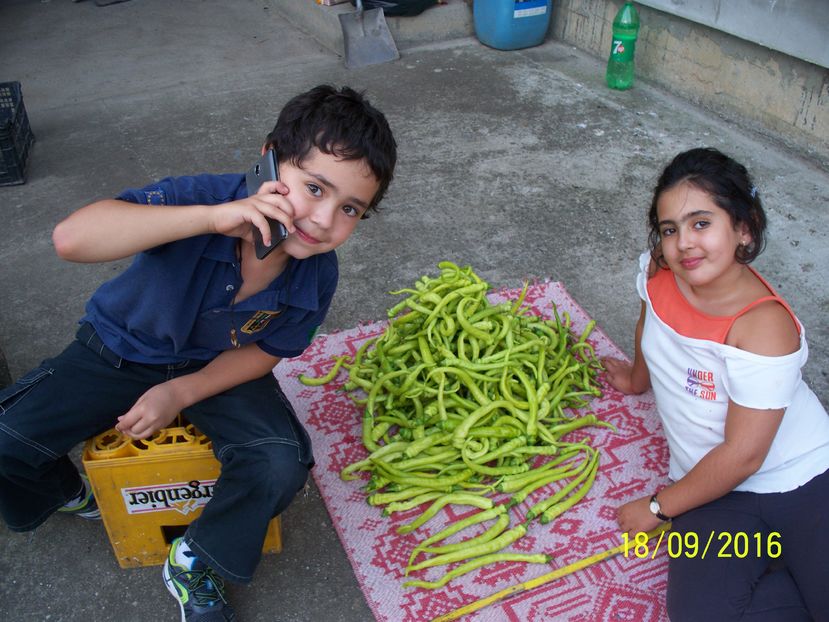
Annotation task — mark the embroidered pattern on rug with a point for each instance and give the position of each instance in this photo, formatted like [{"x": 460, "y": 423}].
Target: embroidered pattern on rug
[{"x": 634, "y": 463}]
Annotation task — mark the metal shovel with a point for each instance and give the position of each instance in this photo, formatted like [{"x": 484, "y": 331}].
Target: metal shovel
[{"x": 366, "y": 38}]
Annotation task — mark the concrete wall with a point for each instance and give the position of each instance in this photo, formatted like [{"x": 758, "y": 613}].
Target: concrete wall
[
  {"x": 767, "y": 89},
  {"x": 798, "y": 28}
]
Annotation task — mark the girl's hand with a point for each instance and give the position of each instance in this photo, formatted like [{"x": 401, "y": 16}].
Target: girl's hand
[
  {"x": 636, "y": 516},
  {"x": 236, "y": 218},
  {"x": 620, "y": 375},
  {"x": 154, "y": 410},
  {"x": 630, "y": 379}
]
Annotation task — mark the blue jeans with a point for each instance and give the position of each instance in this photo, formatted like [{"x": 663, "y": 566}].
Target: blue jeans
[
  {"x": 264, "y": 451},
  {"x": 738, "y": 579}
]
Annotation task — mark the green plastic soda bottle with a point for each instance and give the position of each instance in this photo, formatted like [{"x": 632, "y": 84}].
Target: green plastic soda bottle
[{"x": 620, "y": 66}]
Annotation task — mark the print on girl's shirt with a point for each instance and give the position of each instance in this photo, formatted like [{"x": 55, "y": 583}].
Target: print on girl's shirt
[{"x": 700, "y": 383}]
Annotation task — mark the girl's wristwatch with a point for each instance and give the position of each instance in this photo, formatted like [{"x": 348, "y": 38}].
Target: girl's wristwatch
[{"x": 656, "y": 509}]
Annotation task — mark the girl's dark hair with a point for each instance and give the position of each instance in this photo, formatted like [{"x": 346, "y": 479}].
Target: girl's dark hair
[
  {"x": 728, "y": 184},
  {"x": 338, "y": 122}
]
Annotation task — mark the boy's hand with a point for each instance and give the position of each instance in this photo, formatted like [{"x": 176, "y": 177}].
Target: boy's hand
[
  {"x": 620, "y": 376},
  {"x": 154, "y": 410},
  {"x": 235, "y": 218}
]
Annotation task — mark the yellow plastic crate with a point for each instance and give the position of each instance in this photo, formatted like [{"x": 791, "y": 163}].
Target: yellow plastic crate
[{"x": 149, "y": 491}]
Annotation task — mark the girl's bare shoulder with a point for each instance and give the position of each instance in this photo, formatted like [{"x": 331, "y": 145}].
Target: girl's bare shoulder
[{"x": 767, "y": 329}]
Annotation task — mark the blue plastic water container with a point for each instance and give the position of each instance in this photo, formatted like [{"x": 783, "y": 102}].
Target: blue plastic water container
[{"x": 511, "y": 24}]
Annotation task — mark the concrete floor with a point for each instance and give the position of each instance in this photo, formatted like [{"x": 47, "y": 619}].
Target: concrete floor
[{"x": 520, "y": 164}]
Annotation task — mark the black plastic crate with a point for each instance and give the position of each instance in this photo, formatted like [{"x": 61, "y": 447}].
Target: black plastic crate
[{"x": 16, "y": 136}]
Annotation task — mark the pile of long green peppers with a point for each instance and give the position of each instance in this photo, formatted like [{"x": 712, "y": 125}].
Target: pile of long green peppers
[{"x": 462, "y": 400}]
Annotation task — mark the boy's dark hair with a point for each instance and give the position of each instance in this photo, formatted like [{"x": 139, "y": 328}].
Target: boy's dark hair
[
  {"x": 728, "y": 184},
  {"x": 342, "y": 123}
]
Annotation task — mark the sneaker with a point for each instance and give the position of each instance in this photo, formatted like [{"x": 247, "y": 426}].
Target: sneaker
[
  {"x": 84, "y": 505},
  {"x": 199, "y": 590}
]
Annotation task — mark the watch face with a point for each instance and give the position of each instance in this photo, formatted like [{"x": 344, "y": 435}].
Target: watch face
[{"x": 655, "y": 508}]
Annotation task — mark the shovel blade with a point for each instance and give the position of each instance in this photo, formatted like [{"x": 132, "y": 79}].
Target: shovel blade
[{"x": 367, "y": 39}]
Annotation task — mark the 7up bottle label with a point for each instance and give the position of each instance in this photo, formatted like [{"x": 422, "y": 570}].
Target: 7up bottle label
[{"x": 622, "y": 50}]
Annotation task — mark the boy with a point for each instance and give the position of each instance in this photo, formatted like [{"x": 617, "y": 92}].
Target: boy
[{"x": 195, "y": 326}]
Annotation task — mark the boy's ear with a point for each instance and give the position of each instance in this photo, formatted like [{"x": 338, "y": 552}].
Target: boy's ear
[{"x": 264, "y": 149}]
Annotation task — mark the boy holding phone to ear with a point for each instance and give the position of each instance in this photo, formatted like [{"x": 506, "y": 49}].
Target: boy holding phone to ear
[
  {"x": 266, "y": 169},
  {"x": 195, "y": 326}
]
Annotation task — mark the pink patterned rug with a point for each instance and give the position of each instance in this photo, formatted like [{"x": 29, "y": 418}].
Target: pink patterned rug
[{"x": 633, "y": 463}]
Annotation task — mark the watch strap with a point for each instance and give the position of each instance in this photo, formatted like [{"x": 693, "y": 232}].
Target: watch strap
[{"x": 658, "y": 512}]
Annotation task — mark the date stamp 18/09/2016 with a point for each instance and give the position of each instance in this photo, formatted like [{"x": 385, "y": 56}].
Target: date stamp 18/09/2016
[{"x": 693, "y": 545}]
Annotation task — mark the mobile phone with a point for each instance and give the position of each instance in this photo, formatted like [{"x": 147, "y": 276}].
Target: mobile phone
[{"x": 264, "y": 170}]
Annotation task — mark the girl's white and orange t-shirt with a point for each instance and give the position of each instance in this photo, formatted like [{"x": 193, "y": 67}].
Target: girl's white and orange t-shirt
[{"x": 694, "y": 375}]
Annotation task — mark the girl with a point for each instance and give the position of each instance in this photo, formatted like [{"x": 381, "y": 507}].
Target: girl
[{"x": 748, "y": 440}]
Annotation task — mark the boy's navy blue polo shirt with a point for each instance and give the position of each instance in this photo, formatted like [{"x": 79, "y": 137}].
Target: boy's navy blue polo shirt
[{"x": 174, "y": 302}]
